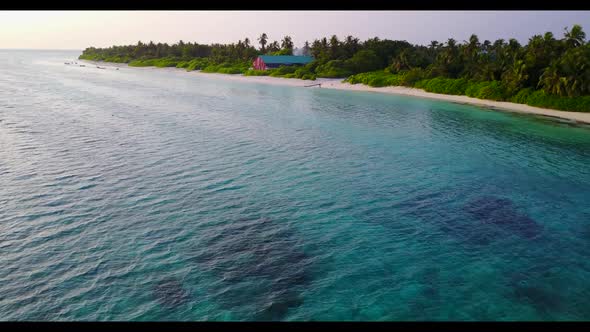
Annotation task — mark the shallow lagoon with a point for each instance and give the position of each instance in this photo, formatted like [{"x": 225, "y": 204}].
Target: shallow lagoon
[{"x": 147, "y": 194}]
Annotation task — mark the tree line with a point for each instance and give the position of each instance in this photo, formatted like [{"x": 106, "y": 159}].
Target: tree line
[{"x": 558, "y": 67}]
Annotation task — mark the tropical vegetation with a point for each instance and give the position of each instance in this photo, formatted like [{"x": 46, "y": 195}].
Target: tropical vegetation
[{"x": 547, "y": 71}]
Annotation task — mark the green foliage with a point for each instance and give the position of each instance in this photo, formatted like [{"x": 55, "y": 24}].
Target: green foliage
[
  {"x": 420, "y": 84},
  {"x": 474, "y": 87},
  {"x": 493, "y": 90},
  {"x": 546, "y": 72},
  {"x": 573, "y": 104},
  {"x": 568, "y": 75},
  {"x": 411, "y": 58},
  {"x": 231, "y": 70},
  {"x": 300, "y": 72},
  {"x": 197, "y": 64},
  {"x": 378, "y": 78},
  {"x": 522, "y": 96},
  {"x": 283, "y": 52},
  {"x": 106, "y": 58},
  {"x": 161, "y": 63},
  {"x": 226, "y": 68},
  {"x": 142, "y": 63},
  {"x": 284, "y": 70},
  {"x": 182, "y": 64},
  {"x": 363, "y": 61},
  {"x": 333, "y": 69},
  {"x": 118, "y": 59},
  {"x": 412, "y": 76},
  {"x": 447, "y": 86},
  {"x": 514, "y": 77},
  {"x": 254, "y": 72},
  {"x": 306, "y": 71},
  {"x": 312, "y": 66}
]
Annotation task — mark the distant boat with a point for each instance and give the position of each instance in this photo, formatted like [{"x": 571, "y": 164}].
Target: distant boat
[
  {"x": 82, "y": 65},
  {"x": 66, "y": 63},
  {"x": 100, "y": 67}
]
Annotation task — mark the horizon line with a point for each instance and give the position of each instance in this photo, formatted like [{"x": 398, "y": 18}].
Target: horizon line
[{"x": 40, "y": 49}]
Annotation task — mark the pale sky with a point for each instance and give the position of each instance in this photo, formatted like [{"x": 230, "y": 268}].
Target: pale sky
[{"x": 81, "y": 29}]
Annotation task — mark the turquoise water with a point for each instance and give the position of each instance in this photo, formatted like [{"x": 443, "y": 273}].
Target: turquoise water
[{"x": 152, "y": 194}]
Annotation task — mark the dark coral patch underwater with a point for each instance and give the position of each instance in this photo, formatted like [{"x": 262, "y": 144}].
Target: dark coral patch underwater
[
  {"x": 504, "y": 214},
  {"x": 171, "y": 293},
  {"x": 260, "y": 263}
]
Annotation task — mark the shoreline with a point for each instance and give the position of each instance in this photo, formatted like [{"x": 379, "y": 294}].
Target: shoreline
[{"x": 337, "y": 84}]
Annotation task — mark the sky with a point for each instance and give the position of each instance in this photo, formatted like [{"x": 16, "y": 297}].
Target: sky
[{"x": 77, "y": 30}]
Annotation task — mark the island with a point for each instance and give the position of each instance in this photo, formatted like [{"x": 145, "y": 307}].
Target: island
[{"x": 547, "y": 72}]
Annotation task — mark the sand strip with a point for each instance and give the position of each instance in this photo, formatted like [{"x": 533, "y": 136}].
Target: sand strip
[{"x": 336, "y": 83}]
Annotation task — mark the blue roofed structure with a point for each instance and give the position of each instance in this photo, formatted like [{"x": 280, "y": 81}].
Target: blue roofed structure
[{"x": 264, "y": 62}]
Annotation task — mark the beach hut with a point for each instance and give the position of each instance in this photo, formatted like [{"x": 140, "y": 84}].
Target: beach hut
[{"x": 265, "y": 62}]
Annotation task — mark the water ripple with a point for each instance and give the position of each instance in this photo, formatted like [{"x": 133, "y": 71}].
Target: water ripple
[{"x": 146, "y": 194}]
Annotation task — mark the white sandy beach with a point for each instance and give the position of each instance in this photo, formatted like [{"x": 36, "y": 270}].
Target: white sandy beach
[
  {"x": 327, "y": 83},
  {"x": 400, "y": 90}
]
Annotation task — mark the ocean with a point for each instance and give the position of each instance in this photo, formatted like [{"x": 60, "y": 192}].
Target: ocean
[{"x": 148, "y": 194}]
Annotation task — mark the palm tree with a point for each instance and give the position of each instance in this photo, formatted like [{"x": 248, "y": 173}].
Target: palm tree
[
  {"x": 513, "y": 48},
  {"x": 470, "y": 53},
  {"x": 575, "y": 37},
  {"x": 498, "y": 44},
  {"x": 263, "y": 40},
  {"x": 574, "y": 71},
  {"x": 158, "y": 50},
  {"x": 138, "y": 49},
  {"x": 274, "y": 47},
  {"x": 316, "y": 49},
  {"x": 486, "y": 46},
  {"x": 473, "y": 45},
  {"x": 351, "y": 45},
  {"x": 538, "y": 54},
  {"x": 287, "y": 44},
  {"x": 548, "y": 36},
  {"x": 401, "y": 61},
  {"x": 334, "y": 44},
  {"x": 550, "y": 81},
  {"x": 448, "y": 61},
  {"x": 433, "y": 48},
  {"x": 451, "y": 43},
  {"x": 306, "y": 48},
  {"x": 515, "y": 76}
]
